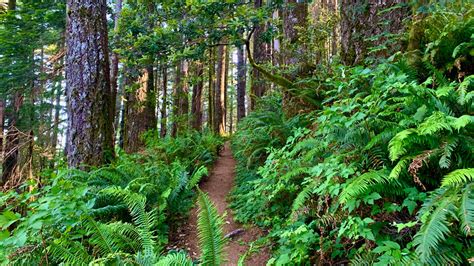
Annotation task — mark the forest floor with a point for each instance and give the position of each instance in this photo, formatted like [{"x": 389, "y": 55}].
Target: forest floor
[{"x": 217, "y": 186}]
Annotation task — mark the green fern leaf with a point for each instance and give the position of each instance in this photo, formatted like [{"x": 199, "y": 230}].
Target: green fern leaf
[
  {"x": 458, "y": 177},
  {"x": 434, "y": 230},
  {"x": 210, "y": 232},
  {"x": 466, "y": 211},
  {"x": 397, "y": 144},
  {"x": 363, "y": 183},
  {"x": 175, "y": 259},
  {"x": 197, "y": 176}
]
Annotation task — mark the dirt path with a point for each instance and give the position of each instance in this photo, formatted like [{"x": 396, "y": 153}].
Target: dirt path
[{"x": 218, "y": 186}]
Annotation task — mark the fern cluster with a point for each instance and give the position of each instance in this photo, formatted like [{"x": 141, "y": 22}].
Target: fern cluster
[
  {"x": 384, "y": 173},
  {"x": 113, "y": 215}
]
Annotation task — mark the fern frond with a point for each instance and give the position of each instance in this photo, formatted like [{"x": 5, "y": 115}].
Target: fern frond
[
  {"x": 458, "y": 177},
  {"x": 363, "y": 183},
  {"x": 433, "y": 124},
  {"x": 466, "y": 210},
  {"x": 210, "y": 232},
  {"x": 175, "y": 259},
  {"x": 397, "y": 144},
  {"x": 434, "y": 230},
  {"x": 302, "y": 197},
  {"x": 69, "y": 252},
  {"x": 197, "y": 176}
]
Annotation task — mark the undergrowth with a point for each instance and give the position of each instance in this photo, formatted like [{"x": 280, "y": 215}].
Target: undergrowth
[
  {"x": 113, "y": 215},
  {"x": 382, "y": 175}
]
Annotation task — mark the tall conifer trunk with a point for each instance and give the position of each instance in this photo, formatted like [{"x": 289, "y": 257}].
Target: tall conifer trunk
[
  {"x": 140, "y": 113},
  {"x": 90, "y": 129},
  {"x": 164, "y": 99},
  {"x": 114, "y": 72},
  {"x": 196, "y": 108},
  {"x": 261, "y": 55},
  {"x": 220, "y": 91},
  {"x": 12, "y": 139},
  {"x": 241, "y": 82}
]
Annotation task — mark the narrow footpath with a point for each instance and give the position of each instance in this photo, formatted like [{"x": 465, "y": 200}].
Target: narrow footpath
[{"x": 217, "y": 186}]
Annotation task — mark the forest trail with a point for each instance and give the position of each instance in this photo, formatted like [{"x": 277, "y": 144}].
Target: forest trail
[{"x": 217, "y": 186}]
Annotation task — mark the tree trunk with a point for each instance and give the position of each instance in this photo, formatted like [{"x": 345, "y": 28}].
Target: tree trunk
[
  {"x": 184, "y": 97},
  {"x": 261, "y": 56},
  {"x": 241, "y": 82},
  {"x": 140, "y": 112},
  {"x": 196, "y": 109},
  {"x": 211, "y": 101},
  {"x": 11, "y": 5},
  {"x": 361, "y": 20},
  {"x": 10, "y": 157},
  {"x": 12, "y": 143},
  {"x": 294, "y": 17},
  {"x": 221, "y": 91},
  {"x": 55, "y": 129},
  {"x": 114, "y": 71},
  {"x": 2, "y": 128},
  {"x": 90, "y": 128},
  {"x": 164, "y": 99},
  {"x": 176, "y": 99}
]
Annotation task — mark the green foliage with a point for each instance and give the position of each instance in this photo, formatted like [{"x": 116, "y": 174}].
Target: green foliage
[
  {"x": 211, "y": 236},
  {"x": 116, "y": 214},
  {"x": 384, "y": 173}
]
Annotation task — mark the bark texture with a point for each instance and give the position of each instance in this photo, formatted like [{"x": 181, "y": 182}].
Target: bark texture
[
  {"x": 140, "y": 111},
  {"x": 180, "y": 99},
  {"x": 220, "y": 91},
  {"x": 261, "y": 55},
  {"x": 294, "y": 16},
  {"x": 211, "y": 88},
  {"x": 241, "y": 82},
  {"x": 164, "y": 99},
  {"x": 114, "y": 70},
  {"x": 90, "y": 129},
  {"x": 361, "y": 20},
  {"x": 196, "y": 108}
]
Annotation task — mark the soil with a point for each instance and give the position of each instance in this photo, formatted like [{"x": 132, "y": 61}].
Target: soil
[{"x": 217, "y": 186}]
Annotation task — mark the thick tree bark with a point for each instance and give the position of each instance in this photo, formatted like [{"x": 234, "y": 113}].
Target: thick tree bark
[
  {"x": 361, "y": 20},
  {"x": 176, "y": 99},
  {"x": 114, "y": 72},
  {"x": 241, "y": 82},
  {"x": 90, "y": 128},
  {"x": 184, "y": 96},
  {"x": 196, "y": 108},
  {"x": 294, "y": 16},
  {"x": 221, "y": 91},
  {"x": 164, "y": 99},
  {"x": 260, "y": 55},
  {"x": 211, "y": 88},
  {"x": 140, "y": 112}
]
